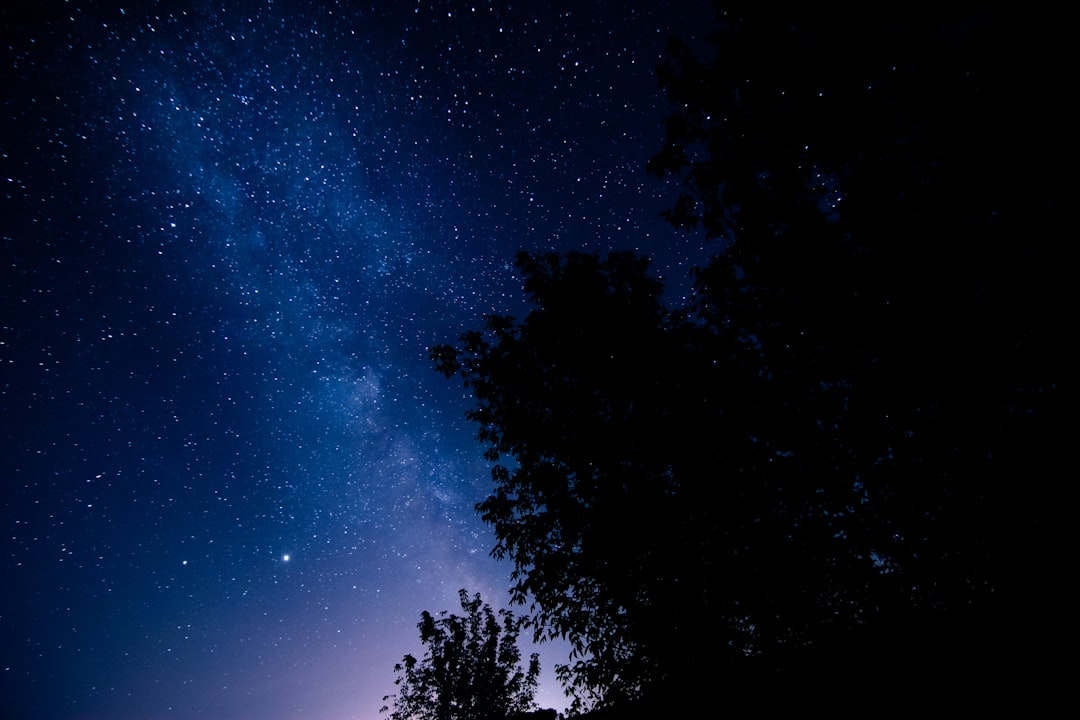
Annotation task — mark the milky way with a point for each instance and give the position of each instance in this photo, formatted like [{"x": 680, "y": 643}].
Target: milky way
[{"x": 231, "y": 233}]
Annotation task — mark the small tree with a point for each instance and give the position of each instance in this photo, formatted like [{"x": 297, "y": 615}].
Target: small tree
[{"x": 470, "y": 671}]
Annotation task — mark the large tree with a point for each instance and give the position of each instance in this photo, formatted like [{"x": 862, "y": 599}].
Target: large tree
[
  {"x": 471, "y": 669},
  {"x": 820, "y": 464},
  {"x": 669, "y": 507}
]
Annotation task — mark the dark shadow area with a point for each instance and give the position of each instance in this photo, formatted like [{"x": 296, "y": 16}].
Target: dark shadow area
[{"x": 831, "y": 482}]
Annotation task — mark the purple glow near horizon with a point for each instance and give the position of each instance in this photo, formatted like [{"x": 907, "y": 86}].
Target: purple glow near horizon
[{"x": 232, "y": 231}]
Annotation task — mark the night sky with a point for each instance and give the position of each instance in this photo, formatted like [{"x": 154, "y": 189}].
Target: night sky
[{"x": 231, "y": 231}]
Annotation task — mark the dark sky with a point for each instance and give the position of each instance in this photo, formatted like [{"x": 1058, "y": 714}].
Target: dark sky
[{"x": 231, "y": 231}]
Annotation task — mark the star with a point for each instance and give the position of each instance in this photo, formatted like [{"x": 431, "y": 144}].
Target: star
[{"x": 233, "y": 236}]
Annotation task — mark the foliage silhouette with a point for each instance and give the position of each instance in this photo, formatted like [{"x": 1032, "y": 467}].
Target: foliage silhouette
[
  {"x": 471, "y": 669},
  {"x": 814, "y": 469},
  {"x": 577, "y": 395}
]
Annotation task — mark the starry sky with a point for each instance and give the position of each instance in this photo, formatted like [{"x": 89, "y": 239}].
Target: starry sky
[{"x": 231, "y": 232}]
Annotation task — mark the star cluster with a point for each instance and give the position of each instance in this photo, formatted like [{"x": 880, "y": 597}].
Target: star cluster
[{"x": 231, "y": 232}]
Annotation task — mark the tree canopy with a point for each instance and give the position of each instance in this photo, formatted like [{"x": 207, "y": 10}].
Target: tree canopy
[
  {"x": 822, "y": 462},
  {"x": 471, "y": 669}
]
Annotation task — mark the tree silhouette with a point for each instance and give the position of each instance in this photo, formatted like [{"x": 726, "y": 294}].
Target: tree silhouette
[
  {"x": 656, "y": 497},
  {"x": 817, "y": 468},
  {"x": 577, "y": 396},
  {"x": 471, "y": 669}
]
